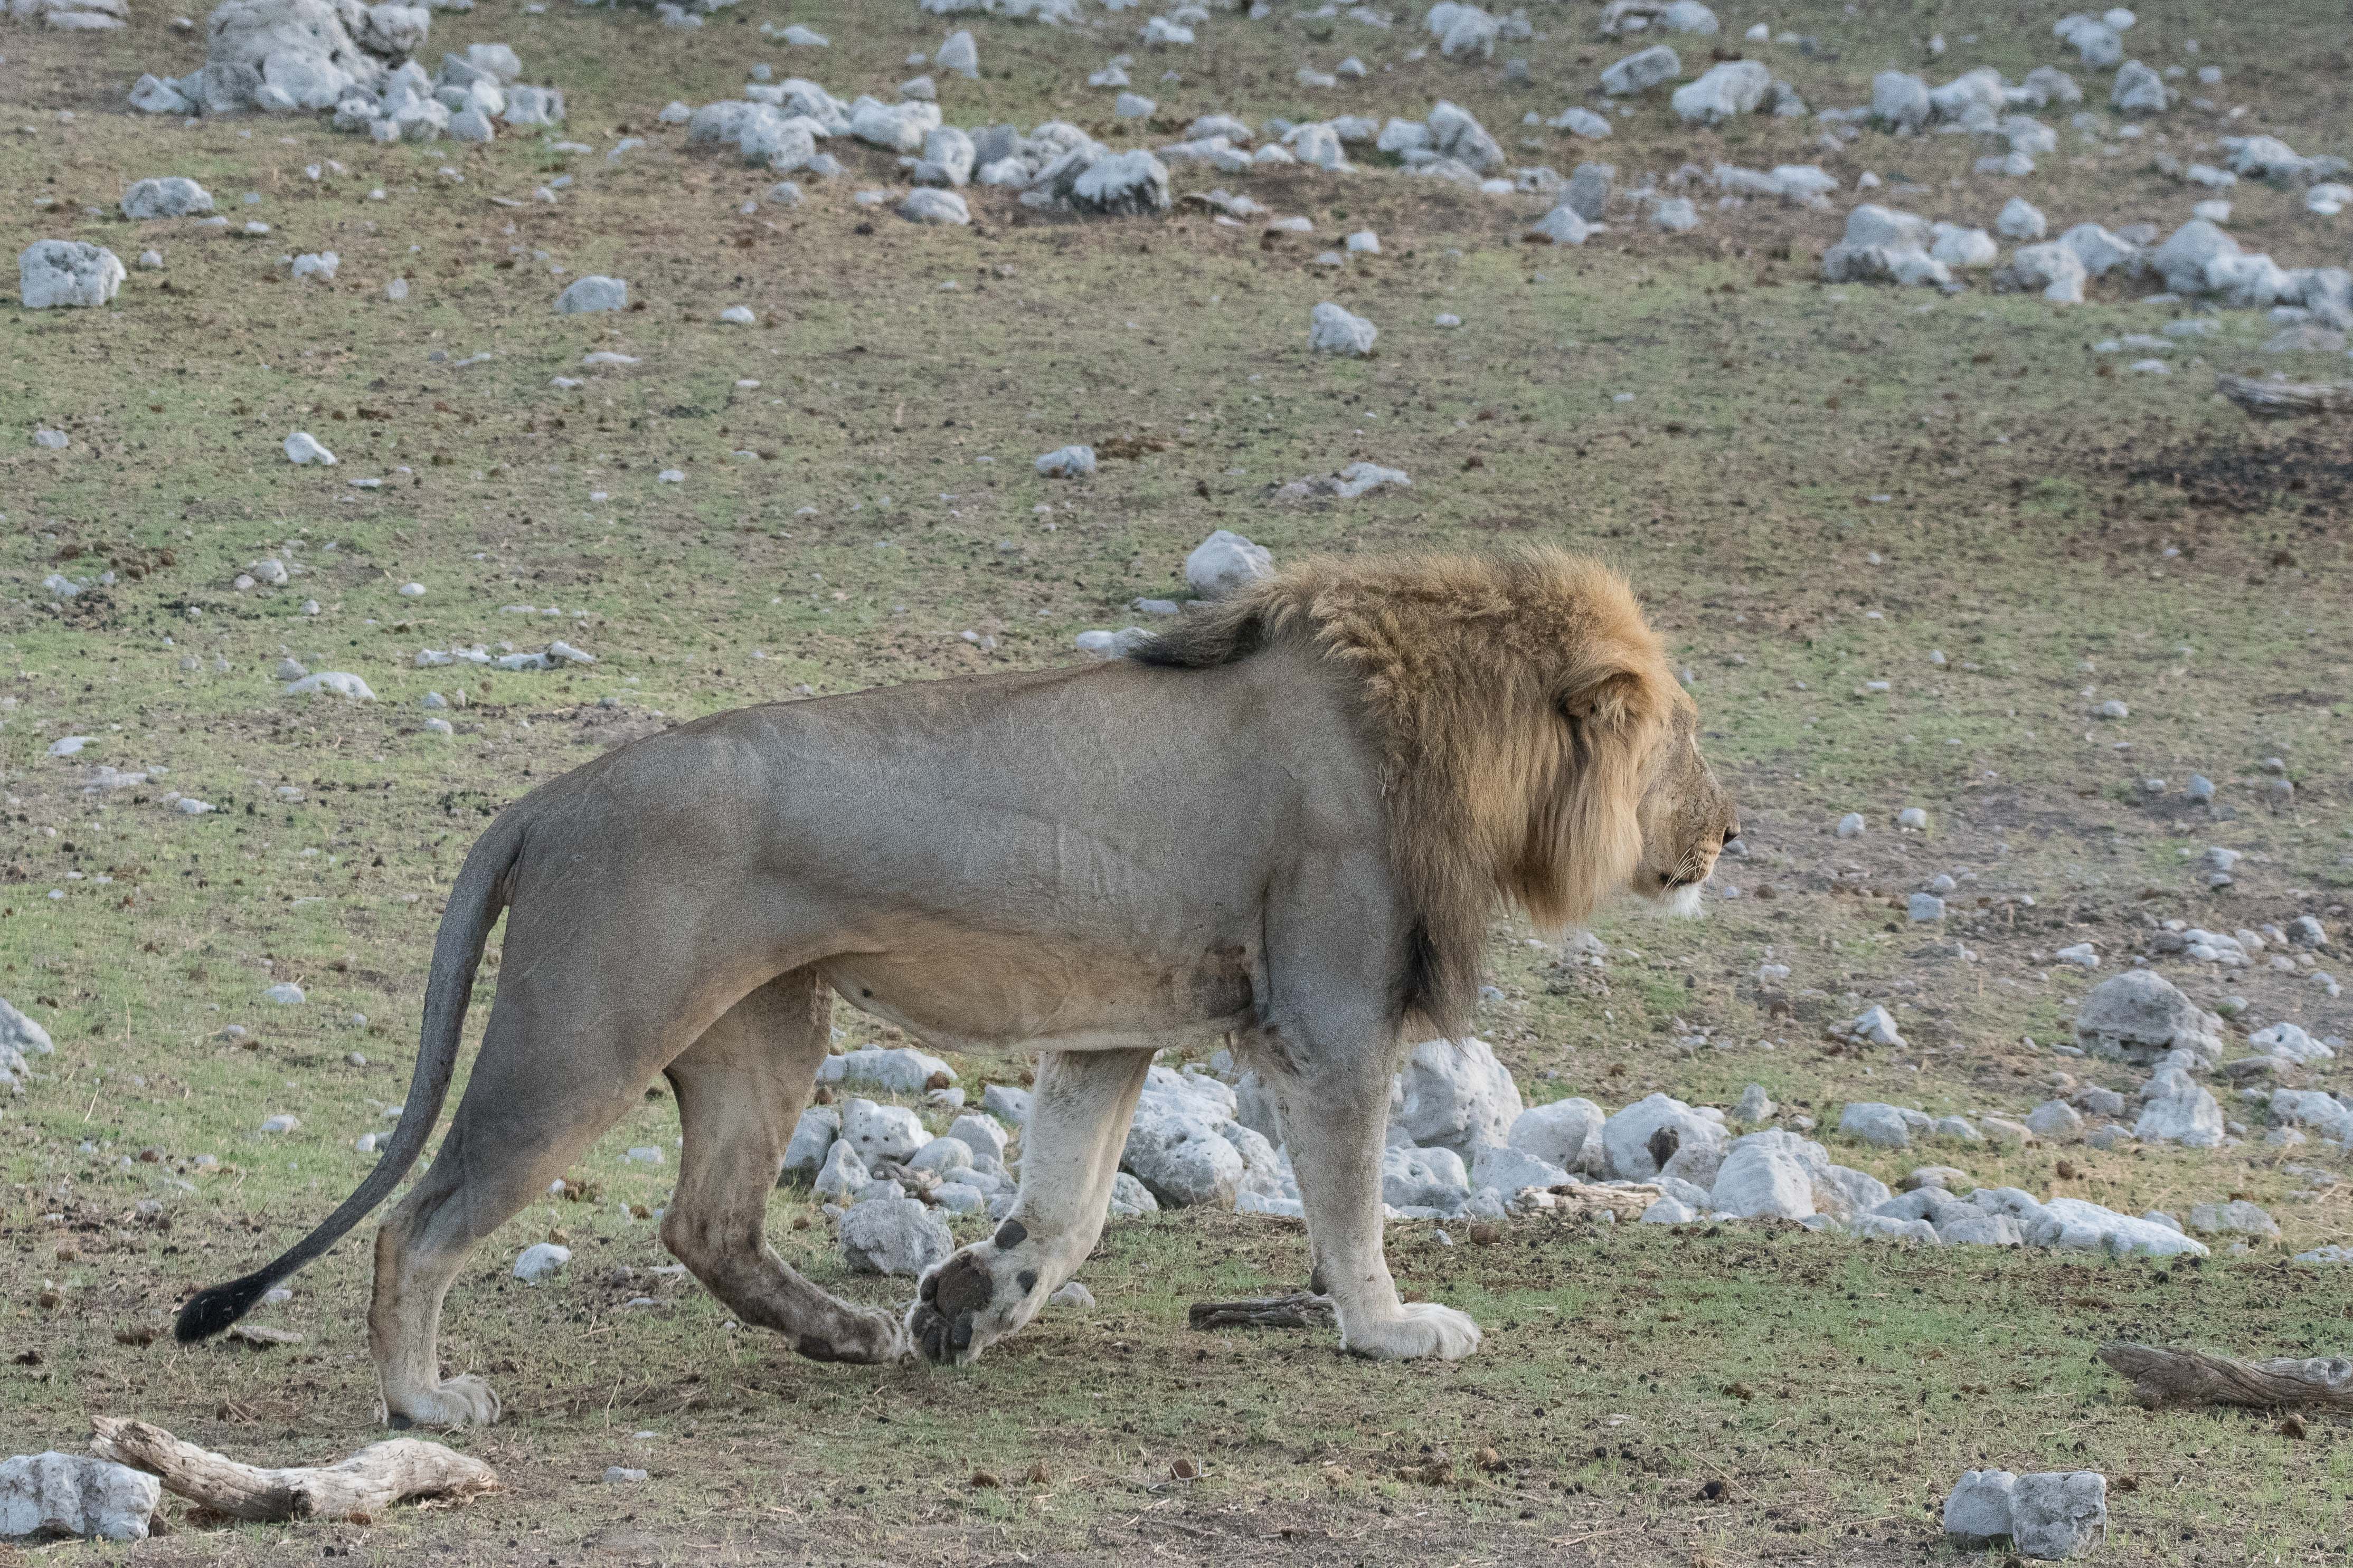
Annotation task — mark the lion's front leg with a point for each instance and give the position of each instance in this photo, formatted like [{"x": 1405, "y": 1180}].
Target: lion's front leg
[
  {"x": 1078, "y": 1116},
  {"x": 1335, "y": 1113}
]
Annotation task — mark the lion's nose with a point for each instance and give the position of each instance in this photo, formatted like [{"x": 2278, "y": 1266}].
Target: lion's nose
[{"x": 1731, "y": 832}]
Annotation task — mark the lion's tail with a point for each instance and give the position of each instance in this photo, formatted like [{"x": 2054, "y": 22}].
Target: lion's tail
[{"x": 475, "y": 901}]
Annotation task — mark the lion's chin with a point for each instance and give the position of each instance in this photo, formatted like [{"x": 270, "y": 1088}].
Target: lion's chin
[{"x": 1685, "y": 903}]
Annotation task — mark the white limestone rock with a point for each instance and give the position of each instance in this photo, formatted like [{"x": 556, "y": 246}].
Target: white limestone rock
[
  {"x": 1726, "y": 90},
  {"x": 170, "y": 196},
  {"x": 1454, "y": 1094},
  {"x": 1225, "y": 564},
  {"x": 1333, "y": 331},
  {"x": 74, "y": 1496},
  {"x": 895, "y": 1236},
  {"x": 54, "y": 273},
  {"x": 1651, "y": 1132}
]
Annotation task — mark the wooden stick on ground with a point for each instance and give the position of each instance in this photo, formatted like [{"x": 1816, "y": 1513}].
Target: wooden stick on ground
[
  {"x": 1301, "y": 1311},
  {"x": 2161, "y": 1377},
  {"x": 372, "y": 1480},
  {"x": 2280, "y": 399}
]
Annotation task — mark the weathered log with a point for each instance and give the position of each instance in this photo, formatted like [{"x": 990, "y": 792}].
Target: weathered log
[
  {"x": 2161, "y": 1377},
  {"x": 357, "y": 1488},
  {"x": 1592, "y": 1197},
  {"x": 2282, "y": 399},
  {"x": 1298, "y": 1310}
]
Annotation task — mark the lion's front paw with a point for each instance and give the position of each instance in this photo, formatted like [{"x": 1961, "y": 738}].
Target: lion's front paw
[
  {"x": 461, "y": 1402},
  {"x": 1421, "y": 1329},
  {"x": 972, "y": 1299}
]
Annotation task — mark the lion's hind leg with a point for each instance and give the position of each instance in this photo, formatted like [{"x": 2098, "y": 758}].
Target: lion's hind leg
[
  {"x": 1078, "y": 1115},
  {"x": 740, "y": 1087}
]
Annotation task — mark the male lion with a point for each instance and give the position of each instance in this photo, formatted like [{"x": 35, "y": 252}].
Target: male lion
[{"x": 1289, "y": 817}]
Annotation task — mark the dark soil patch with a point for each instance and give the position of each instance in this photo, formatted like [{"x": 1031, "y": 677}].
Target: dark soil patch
[{"x": 2309, "y": 474}]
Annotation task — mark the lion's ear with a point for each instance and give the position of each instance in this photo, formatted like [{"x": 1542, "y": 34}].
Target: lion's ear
[{"x": 1606, "y": 698}]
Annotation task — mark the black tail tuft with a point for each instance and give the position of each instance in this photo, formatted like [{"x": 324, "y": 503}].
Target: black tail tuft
[{"x": 209, "y": 1312}]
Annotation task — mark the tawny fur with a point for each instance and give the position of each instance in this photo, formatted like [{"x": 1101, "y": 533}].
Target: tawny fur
[{"x": 1468, "y": 667}]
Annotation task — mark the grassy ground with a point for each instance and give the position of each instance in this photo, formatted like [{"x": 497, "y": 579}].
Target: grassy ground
[{"x": 1813, "y": 488}]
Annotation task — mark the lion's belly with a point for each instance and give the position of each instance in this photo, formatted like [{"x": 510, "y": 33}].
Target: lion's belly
[{"x": 968, "y": 990}]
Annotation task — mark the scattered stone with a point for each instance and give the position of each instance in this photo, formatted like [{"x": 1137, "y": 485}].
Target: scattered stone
[
  {"x": 338, "y": 682},
  {"x": 905, "y": 1071},
  {"x": 1454, "y": 1095},
  {"x": 1641, "y": 72},
  {"x": 2018, "y": 219},
  {"x": 1225, "y": 564},
  {"x": 2054, "y": 1119},
  {"x": 541, "y": 1261},
  {"x": 591, "y": 293},
  {"x": 812, "y": 1141},
  {"x": 54, "y": 273},
  {"x": 1725, "y": 91},
  {"x": 1333, "y": 329},
  {"x": 897, "y": 1236},
  {"x": 173, "y": 195},
  {"x": 1878, "y": 1123},
  {"x": 2058, "y": 1516},
  {"x": 1066, "y": 462},
  {"x": 929, "y": 204},
  {"x": 2139, "y": 1015},
  {"x": 1977, "y": 1510},
  {"x": 1182, "y": 1158},
  {"x": 74, "y": 1496},
  {"x": 1650, "y": 1132},
  {"x": 880, "y": 1133},
  {"x": 1564, "y": 1132}
]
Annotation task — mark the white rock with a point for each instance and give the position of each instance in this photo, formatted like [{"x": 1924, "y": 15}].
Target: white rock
[
  {"x": 52, "y": 273},
  {"x": 959, "y": 54},
  {"x": 1066, "y": 462},
  {"x": 20, "y": 1033},
  {"x": 1876, "y": 1122},
  {"x": 1454, "y": 1094},
  {"x": 1225, "y": 564},
  {"x": 843, "y": 1176},
  {"x": 1182, "y": 1158},
  {"x": 1641, "y": 71},
  {"x": 1632, "y": 1140},
  {"x": 2076, "y": 1225},
  {"x": 1422, "y": 1178},
  {"x": 54, "y": 1494},
  {"x": 338, "y": 682},
  {"x": 286, "y": 993},
  {"x": 1725, "y": 91},
  {"x": 1564, "y": 1132},
  {"x": 905, "y": 1071},
  {"x": 540, "y": 1261},
  {"x": 593, "y": 293},
  {"x": 1977, "y": 1510},
  {"x": 1764, "y": 1174},
  {"x": 880, "y": 1133},
  {"x": 173, "y": 195},
  {"x": 302, "y": 448},
  {"x": 1508, "y": 1169},
  {"x": 930, "y": 205},
  {"x": 1957, "y": 247},
  {"x": 1333, "y": 329},
  {"x": 2057, "y": 1515},
  {"x": 812, "y": 1138},
  {"x": 1071, "y": 1294},
  {"x": 893, "y": 1236}
]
